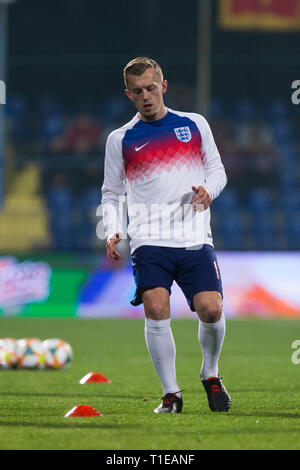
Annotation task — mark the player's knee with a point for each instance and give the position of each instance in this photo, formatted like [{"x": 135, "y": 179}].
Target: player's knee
[
  {"x": 156, "y": 304},
  {"x": 209, "y": 312},
  {"x": 157, "y": 311}
]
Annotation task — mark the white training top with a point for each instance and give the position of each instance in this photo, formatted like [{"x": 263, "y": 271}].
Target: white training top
[{"x": 152, "y": 166}]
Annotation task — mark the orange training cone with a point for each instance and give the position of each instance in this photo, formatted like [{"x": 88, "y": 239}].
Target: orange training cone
[
  {"x": 81, "y": 411},
  {"x": 92, "y": 377}
]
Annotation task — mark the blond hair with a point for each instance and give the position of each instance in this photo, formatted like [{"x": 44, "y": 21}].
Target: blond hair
[{"x": 139, "y": 65}]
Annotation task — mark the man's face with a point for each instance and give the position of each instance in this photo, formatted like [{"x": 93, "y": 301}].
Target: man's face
[{"x": 147, "y": 93}]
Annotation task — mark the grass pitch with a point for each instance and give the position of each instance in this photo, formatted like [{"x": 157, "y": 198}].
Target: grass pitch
[{"x": 255, "y": 363}]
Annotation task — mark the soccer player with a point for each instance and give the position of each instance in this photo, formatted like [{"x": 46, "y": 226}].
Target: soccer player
[{"x": 167, "y": 163}]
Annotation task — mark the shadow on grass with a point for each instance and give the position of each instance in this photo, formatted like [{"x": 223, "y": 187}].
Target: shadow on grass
[
  {"x": 265, "y": 414},
  {"x": 255, "y": 429},
  {"x": 69, "y": 395},
  {"x": 255, "y": 414},
  {"x": 70, "y": 424},
  {"x": 263, "y": 390},
  {"x": 100, "y": 425},
  {"x": 195, "y": 391}
]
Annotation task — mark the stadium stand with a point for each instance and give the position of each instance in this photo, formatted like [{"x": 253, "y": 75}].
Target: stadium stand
[{"x": 64, "y": 150}]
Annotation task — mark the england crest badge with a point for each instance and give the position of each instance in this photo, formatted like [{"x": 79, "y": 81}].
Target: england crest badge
[{"x": 183, "y": 133}]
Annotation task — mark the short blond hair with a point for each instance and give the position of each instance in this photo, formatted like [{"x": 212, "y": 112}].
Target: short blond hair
[{"x": 139, "y": 65}]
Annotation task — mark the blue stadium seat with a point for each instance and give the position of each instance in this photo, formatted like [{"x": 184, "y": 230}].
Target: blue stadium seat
[
  {"x": 60, "y": 199},
  {"x": 62, "y": 232},
  {"x": 290, "y": 202},
  {"x": 61, "y": 218},
  {"x": 231, "y": 231},
  {"x": 216, "y": 109},
  {"x": 48, "y": 105},
  {"x": 51, "y": 126},
  {"x": 264, "y": 226},
  {"x": 282, "y": 131},
  {"x": 288, "y": 179},
  {"x": 91, "y": 199},
  {"x": 260, "y": 202},
  {"x": 276, "y": 110},
  {"x": 244, "y": 110},
  {"x": 84, "y": 217},
  {"x": 293, "y": 223},
  {"x": 227, "y": 202}
]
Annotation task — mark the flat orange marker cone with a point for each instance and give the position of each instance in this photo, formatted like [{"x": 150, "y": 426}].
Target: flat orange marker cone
[
  {"x": 81, "y": 411},
  {"x": 92, "y": 377}
]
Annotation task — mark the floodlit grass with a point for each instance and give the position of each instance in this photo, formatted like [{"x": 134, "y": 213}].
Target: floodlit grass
[{"x": 255, "y": 364}]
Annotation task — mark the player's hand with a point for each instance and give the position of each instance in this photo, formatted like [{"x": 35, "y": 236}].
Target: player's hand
[
  {"x": 111, "y": 251},
  {"x": 202, "y": 197}
]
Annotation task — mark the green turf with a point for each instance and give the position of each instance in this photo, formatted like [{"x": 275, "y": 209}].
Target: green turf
[{"x": 255, "y": 363}]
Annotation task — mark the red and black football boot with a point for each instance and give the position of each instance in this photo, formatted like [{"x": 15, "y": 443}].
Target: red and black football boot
[
  {"x": 217, "y": 395},
  {"x": 171, "y": 403}
]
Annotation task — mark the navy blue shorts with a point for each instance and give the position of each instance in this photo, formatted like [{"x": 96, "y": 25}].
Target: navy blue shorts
[{"x": 193, "y": 270}]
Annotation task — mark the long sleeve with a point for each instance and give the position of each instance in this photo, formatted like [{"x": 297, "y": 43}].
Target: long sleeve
[
  {"x": 114, "y": 185},
  {"x": 215, "y": 176}
]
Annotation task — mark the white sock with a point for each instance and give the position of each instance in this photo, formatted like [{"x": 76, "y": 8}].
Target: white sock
[
  {"x": 211, "y": 336},
  {"x": 161, "y": 346}
]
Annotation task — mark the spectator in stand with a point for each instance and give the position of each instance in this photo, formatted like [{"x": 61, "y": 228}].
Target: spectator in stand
[{"x": 83, "y": 137}]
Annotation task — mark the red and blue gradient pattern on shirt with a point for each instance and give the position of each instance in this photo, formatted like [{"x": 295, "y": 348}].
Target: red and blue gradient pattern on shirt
[{"x": 151, "y": 148}]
